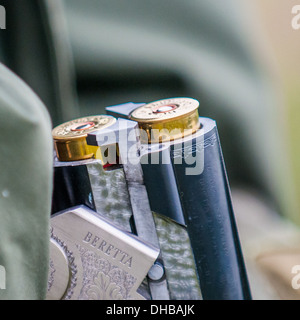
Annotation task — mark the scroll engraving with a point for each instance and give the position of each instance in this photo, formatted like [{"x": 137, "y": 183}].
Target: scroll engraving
[
  {"x": 72, "y": 267},
  {"x": 52, "y": 271},
  {"x": 102, "y": 280}
]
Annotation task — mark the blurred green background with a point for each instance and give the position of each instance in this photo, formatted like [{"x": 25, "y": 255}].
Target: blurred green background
[{"x": 280, "y": 49}]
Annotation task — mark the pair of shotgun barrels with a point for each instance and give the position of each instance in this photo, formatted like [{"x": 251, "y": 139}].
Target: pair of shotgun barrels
[{"x": 142, "y": 208}]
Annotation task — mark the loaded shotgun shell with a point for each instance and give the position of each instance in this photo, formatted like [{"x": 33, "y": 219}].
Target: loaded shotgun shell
[
  {"x": 167, "y": 120},
  {"x": 70, "y": 138}
]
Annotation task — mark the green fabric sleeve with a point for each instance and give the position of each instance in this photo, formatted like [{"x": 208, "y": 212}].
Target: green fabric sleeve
[{"x": 26, "y": 154}]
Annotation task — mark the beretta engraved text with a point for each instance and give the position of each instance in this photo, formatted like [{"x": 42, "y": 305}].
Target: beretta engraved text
[{"x": 108, "y": 249}]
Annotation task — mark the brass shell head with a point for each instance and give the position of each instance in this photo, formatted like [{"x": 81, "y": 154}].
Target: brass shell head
[
  {"x": 70, "y": 137},
  {"x": 167, "y": 120}
]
